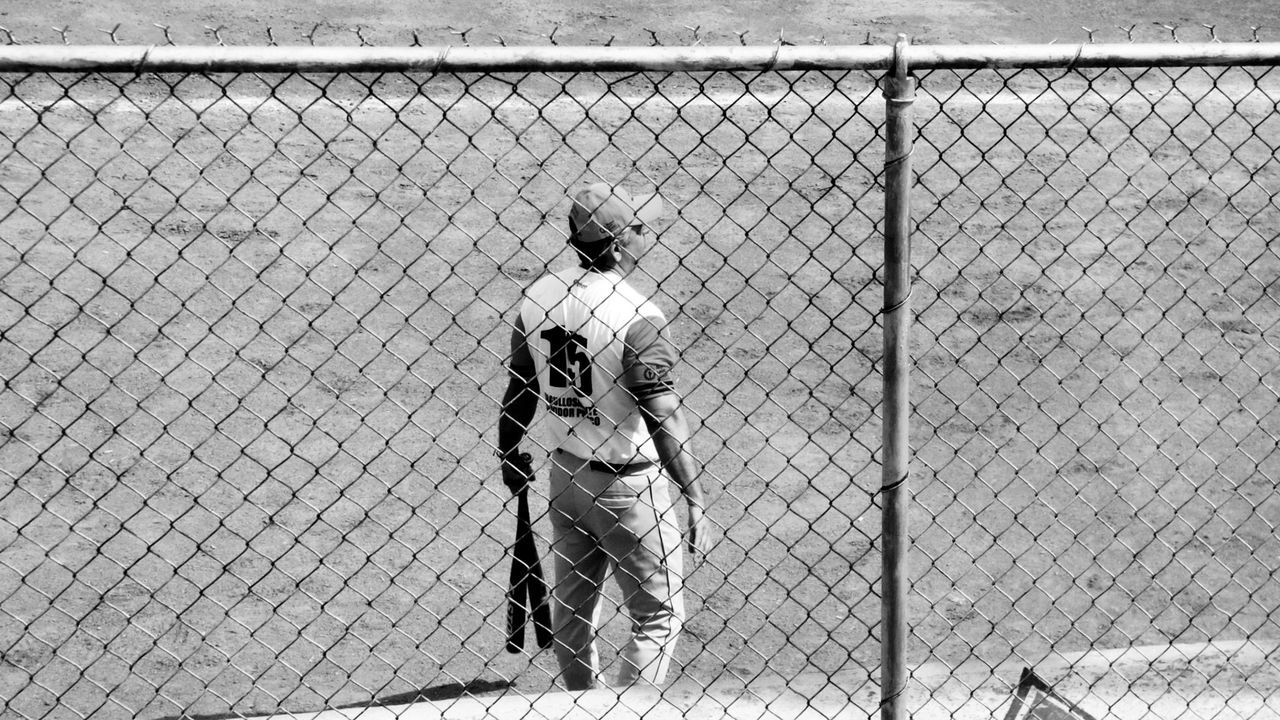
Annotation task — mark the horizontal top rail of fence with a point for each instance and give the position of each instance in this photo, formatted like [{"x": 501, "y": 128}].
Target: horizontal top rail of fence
[{"x": 173, "y": 58}]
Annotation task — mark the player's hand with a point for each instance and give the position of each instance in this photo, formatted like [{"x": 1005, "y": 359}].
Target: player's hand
[
  {"x": 517, "y": 471},
  {"x": 699, "y": 533}
]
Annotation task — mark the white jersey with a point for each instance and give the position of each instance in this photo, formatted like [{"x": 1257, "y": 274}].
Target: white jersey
[{"x": 596, "y": 347}]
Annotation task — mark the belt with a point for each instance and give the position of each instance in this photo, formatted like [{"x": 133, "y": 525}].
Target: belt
[
  {"x": 634, "y": 468},
  {"x": 601, "y": 466}
]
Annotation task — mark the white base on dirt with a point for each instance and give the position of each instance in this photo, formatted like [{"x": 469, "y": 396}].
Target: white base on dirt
[{"x": 1219, "y": 680}]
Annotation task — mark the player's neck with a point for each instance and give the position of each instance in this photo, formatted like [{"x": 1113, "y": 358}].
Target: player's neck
[{"x": 615, "y": 270}]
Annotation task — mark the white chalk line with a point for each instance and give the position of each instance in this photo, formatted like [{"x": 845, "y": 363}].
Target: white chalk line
[
  {"x": 972, "y": 690},
  {"x": 1104, "y": 679}
]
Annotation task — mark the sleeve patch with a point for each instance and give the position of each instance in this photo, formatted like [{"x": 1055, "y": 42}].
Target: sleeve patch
[{"x": 648, "y": 360}]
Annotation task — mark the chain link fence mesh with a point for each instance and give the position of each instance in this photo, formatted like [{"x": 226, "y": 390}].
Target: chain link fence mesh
[
  {"x": 1096, "y": 354},
  {"x": 253, "y": 335},
  {"x": 253, "y": 327}
]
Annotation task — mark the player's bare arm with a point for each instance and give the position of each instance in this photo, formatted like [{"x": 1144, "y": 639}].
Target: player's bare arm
[
  {"x": 664, "y": 417},
  {"x": 519, "y": 404}
]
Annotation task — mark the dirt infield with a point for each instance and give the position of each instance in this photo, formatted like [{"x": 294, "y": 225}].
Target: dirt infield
[{"x": 251, "y": 386}]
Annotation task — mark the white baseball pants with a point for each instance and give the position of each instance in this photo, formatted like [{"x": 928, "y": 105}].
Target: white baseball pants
[{"x": 601, "y": 520}]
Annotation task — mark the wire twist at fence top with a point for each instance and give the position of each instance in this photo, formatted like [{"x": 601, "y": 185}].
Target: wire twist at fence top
[
  {"x": 153, "y": 58},
  {"x": 337, "y": 34}
]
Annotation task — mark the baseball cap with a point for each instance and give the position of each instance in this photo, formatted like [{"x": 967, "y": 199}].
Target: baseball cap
[{"x": 601, "y": 212}]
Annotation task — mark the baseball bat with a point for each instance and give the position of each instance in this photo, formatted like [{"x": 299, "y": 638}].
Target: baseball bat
[
  {"x": 536, "y": 583},
  {"x": 527, "y": 593},
  {"x": 517, "y": 591}
]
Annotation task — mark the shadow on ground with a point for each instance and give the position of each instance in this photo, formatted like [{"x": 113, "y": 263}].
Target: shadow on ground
[{"x": 448, "y": 691}]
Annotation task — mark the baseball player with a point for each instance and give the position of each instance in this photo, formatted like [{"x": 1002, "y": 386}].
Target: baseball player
[{"x": 596, "y": 352}]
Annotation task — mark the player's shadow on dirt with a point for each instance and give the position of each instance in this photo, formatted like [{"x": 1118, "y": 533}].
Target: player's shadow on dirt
[{"x": 448, "y": 691}]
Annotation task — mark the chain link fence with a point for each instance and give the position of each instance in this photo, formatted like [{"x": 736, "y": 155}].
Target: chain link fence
[
  {"x": 253, "y": 327},
  {"x": 254, "y": 334},
  {"x": 1096, "y": 356}
]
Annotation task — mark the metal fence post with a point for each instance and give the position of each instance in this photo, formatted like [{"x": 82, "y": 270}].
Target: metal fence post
[{"x": 899, "y": 95}]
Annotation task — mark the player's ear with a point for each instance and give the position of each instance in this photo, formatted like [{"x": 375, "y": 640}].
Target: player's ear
[{"x": 625, "y": 241}]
